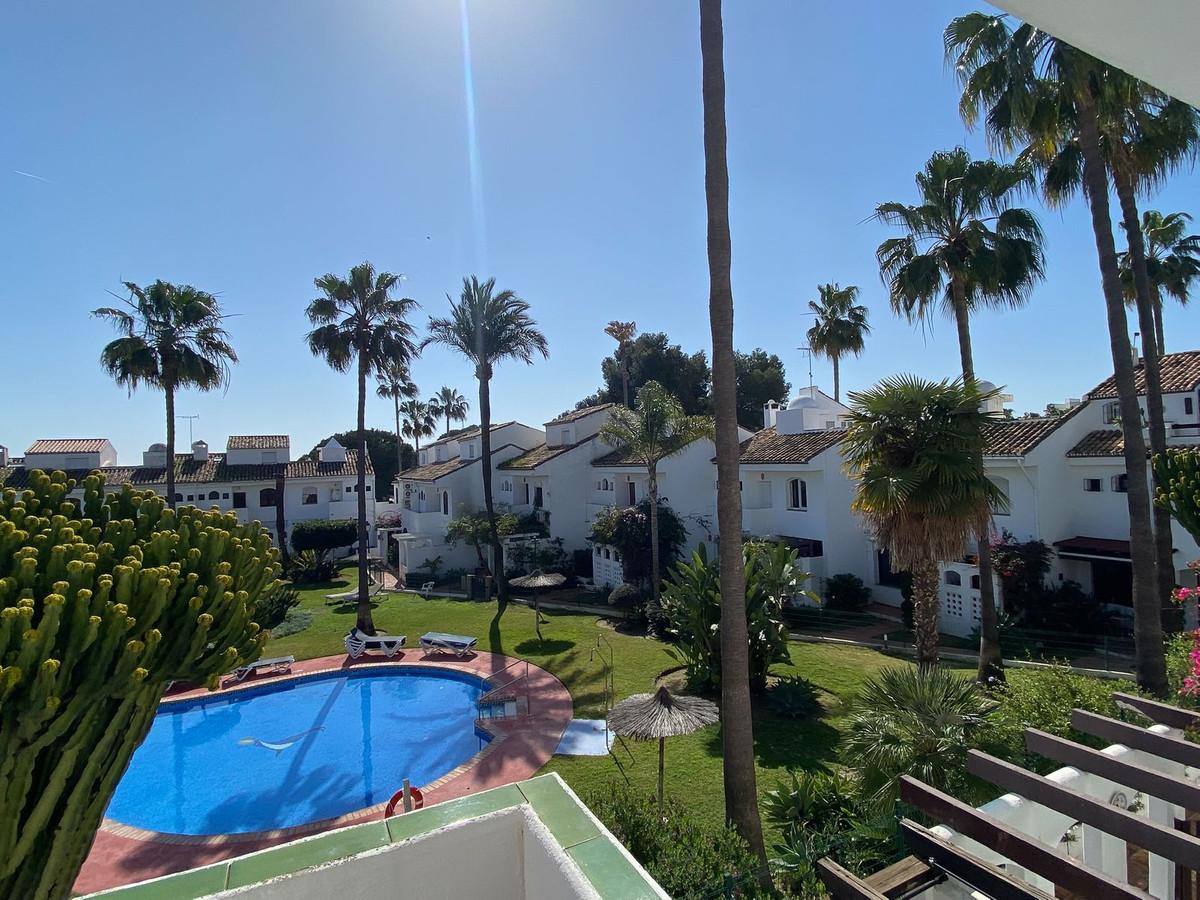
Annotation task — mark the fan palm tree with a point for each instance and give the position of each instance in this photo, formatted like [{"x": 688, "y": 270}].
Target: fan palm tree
[
  {"x": 840, "y": 327},
  {"x": 419, "y": 420},
  {"x": 737, "y": 728},
  {"x": 623, "y": 333},
  {"x": 450, "y": 403},
  {"x": 357, "y": 322},
  {"x": 964, "y": 248},
  {"x": 1040, "y": 93},
  {"x": 1172, "y": 263},
  {"x": 915, "y": 449},
  {"x": 172, "y": 337},
  {"x": 656, "y": 429},
  {"x": 396, "y": 384},
  {"x": 487, "y": 327}
]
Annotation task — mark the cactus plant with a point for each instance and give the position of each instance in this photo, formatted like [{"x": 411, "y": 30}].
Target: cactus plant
[
  {"x": 103, "y": 602},
  {"x": 1177, "y": 486}
]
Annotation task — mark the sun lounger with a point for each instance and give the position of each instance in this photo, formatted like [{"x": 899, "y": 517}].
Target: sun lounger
[
  {"x": 275, "y": 666},
  {"x": 350, "y": 596},
  {"x": 358, "y": 643},
  {"x": 437, "y": 642}
]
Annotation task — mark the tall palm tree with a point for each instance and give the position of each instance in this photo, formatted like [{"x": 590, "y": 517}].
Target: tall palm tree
[
  {"x": 487, "y": 327},
  {"x": 172, "y": 337},
  {"x": 396, "y": 384},
  {"x": 656, "y": 429},
  {"x": 1172, "y": 263},
  {"x": 840, "y": 327},
  {"x": 450, "y": 403},
  {"x": 964, "y": 248},
  {"x": 1038, "y": 92},
  {"x": 357, "y": 322},
  {"x": 623, "y": 333},
  {"x": 737, "y": 728},
  {"x": 419, "y": 420},
  {"x": 915, "y": 450}
]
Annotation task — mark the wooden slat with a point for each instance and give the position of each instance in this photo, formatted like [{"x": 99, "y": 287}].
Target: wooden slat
[
  {"x": 1136, "y": 738},
  {"x": 843, "y": 884},
  {"x": 901, "y": 878},
  {"x": 966, "y": 868},
  {"x": 1167, "y": 842},
  {"x": 1012, "y": 844},
  {"x": 1165, "y": 787},
  {"x": 1156, "y": 711}
]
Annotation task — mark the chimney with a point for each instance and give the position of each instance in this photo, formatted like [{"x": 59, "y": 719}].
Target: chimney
[
  {"x": 3, "y": 456},
  {"x": 199, "y": 451},
  {"x": 155, "y": 457},
  {"x": 770, "y": 411},
  {"x": 1137, "y": 354}
]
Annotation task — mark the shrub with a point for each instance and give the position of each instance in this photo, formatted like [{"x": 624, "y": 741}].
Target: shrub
[
  {"x": 624, "y": 595},
  {"x": 846, "y": 592},
  {"x": 294, "y": 622},
  {"x": 813, "y": 800},
  {"x": 274, "y": 605},
  {"x": 794, "y": 698},
  {"x": 305, "y": 568},
  {"x": 476, "y": 529},
  {"x": 100, "y": 607},
  {"x": 628, "y": 530},
  {"x": 687, "y": 856},
  {"x": 320, "y": 536}
]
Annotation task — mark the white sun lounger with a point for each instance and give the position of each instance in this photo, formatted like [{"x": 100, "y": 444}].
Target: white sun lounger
[
  {"x": 458, "y": 644},
  {"x": 276, "y": 666},
  {"x": 358, "y": 643},
  {"x": 350, "y": 596}
]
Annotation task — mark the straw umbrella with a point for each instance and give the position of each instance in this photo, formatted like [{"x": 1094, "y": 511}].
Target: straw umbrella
[
  {"x": 533, "y": 582},
  {"x": 661, "y": 715}
]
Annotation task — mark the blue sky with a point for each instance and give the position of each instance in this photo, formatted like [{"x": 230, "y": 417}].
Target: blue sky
[{"x": 248, "y": 148}]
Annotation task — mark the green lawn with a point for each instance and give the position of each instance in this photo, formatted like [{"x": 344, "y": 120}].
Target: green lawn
[{"x": 694, "y": 761}]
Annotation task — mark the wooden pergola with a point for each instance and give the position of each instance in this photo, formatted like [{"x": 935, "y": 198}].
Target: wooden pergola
[{"x": 936, "y": 860}]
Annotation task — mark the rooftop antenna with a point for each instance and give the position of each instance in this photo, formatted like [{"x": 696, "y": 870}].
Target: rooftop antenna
[
  {"x": 191, "y": 422},
  {"x": 808, "y": 353}
]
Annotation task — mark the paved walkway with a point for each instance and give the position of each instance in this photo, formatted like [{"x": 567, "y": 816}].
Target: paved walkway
[{"x": 520, "y": 746}]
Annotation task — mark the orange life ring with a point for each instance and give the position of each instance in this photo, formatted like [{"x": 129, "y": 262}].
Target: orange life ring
[{"x": 418, "y": 800}]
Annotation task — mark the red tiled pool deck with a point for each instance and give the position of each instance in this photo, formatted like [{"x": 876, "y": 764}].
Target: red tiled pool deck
[{"x": 520, "y": 746}]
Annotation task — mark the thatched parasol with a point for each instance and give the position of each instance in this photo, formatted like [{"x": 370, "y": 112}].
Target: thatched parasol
[
  {"x": 661, "y": 715},
  {"x": 535, "y": 581}
]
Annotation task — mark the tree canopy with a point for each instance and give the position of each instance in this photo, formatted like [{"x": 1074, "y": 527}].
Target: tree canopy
[
  {"x": 381, "y": 448},
  {"x": 760, "y": 377}
]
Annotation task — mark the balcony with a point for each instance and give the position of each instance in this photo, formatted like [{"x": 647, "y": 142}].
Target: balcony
[{"x": 427, "y": 522}]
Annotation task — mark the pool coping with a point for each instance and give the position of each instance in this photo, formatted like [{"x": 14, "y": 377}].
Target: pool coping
[{"x": 517, "y": 749}]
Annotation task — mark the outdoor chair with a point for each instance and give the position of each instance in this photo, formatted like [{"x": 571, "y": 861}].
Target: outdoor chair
[
  {"x": 457, "y": 644},
  {"x": 278, "y": 665},
  {"x": 358, "y": 643}
]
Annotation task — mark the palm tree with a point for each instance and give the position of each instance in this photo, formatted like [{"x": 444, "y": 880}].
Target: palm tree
[
  {"x": 171, "y": 338},
  {"x": 915, "y": 449},
  {"x": 419, "y": 420},
  {"x": 357, "y": 322},
  {"x": 1041, "y": 93},
  {"x": 964, "y": 247},
  {"x": 486, "y": 327},
  {"x": 737, "y": 728},
  {"x": 396, "y": 384},
  {"x": 656, "y": 429},
  {"x": 623, "y": 333},
  {"x": 450, "y": 403},
  {"x": 840, "y": 327},
  {"x": 1172, "y": 263}
]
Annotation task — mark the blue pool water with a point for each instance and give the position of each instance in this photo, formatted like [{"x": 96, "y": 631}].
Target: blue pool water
[{"x": 293, "y": 753}]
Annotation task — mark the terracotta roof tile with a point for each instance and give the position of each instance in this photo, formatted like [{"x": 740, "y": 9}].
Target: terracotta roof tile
[
  {"x": 576, "y": 415},
  {"x": 542, "y": 453},
  {"x": 1018, "y": 437},
  {"x": 768, "y": 447},
  {"x": 67, "y": 445},
  {"x": 1105, "y": 442},
  {"x": 1180, "y": 374},
  {"x": 435, "y": 470},
  {"x": 258, "y": 442}
]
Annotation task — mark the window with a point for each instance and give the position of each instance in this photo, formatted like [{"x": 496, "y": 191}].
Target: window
[
  {"x": 607, "y": 553},
  {"x": 953, "y": 578},
  {"x": 445, "y": 503},
  {"x": 1187, "y": 405},
  {"x": 1001, "y": 507},
  {"x": 1093, "y": 485},
  {"x": 566, "y": 435},
  {"x": 308, "y": 496},
  {"x": 606, "y": 485},
  {"x": 335, "y": 492},
  {"x": 214, "y": 495},
  {"x": 179, "y": 498},
  {"x": 526, "y": 486},
  {"x": 368, "y": 489},
  {"x": 266, "y": 497},
  {"x": 797, "y": 494},
  {"x": 1112, "y": 413},
  {"x": 886, "y": 576},
  {"x": 537, "y": 497},
  {"x": 1120, "y": 483},
  {"x": 975, "y": 582},
  {"x": 506, "y": 485},
  {"x": 225, "y": 496},
  {"x": 239, "y": 499},
  {"x": 470, "y": 451},
  {"x": 632, "y": 494}
]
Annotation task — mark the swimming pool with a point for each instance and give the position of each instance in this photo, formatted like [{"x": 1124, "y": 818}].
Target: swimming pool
[{"x": 298, "y": 751}]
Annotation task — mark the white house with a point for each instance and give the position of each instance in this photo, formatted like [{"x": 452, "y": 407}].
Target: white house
[{"x": 244, "y": 479}]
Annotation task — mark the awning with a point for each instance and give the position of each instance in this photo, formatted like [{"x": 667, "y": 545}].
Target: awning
[{"x": 1093, "y": 548}]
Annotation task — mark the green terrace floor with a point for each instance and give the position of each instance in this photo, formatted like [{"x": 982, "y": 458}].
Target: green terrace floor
[{"x": 693, "y": 761}]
